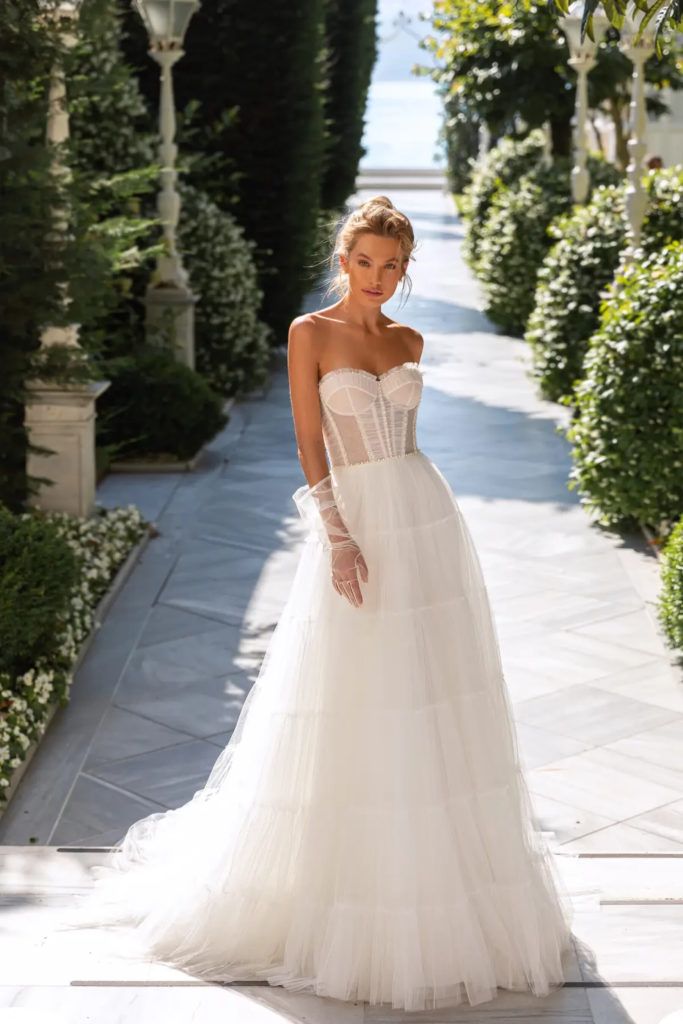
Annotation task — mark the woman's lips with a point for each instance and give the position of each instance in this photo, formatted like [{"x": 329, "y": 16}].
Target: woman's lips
[{"x": 370, "y": 291}]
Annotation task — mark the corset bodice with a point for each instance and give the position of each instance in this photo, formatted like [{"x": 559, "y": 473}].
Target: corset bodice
[{"x": 367, "y": 417}]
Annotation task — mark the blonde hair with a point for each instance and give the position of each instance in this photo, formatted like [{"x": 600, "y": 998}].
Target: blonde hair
[{"x": 378, "y": 216}]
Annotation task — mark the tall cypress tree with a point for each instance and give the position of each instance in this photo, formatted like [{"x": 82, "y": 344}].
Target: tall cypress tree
[{"x": 351, "y": 31}]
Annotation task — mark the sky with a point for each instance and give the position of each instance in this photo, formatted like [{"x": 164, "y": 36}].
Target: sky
[{"x": 403, "y": 115}]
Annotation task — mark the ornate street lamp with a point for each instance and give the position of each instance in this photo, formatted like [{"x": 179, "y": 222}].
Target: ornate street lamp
[
  {"x": 60, "y": 417},
  {"x": 636, "y": 197},
  {"x": 169, "y": 298},
  {"x": 582, "y": 57}
]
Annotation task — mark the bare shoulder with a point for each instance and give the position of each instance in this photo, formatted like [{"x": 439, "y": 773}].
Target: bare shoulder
[
  {"x": 302, "y": 335},
  {"x": 302, "y": 327},
  {"x": 303, "y": 342},
  {"x": 411, "y": 337}
]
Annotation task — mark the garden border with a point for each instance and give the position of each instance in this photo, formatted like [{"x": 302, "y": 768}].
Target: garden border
[{"x": 99, "y": 615}]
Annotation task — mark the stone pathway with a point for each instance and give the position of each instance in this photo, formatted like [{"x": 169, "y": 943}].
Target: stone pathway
[{"x": 597, "y": 698}]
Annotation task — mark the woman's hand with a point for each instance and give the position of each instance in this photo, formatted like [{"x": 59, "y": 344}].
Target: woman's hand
[{"x": 348, "y": 569}]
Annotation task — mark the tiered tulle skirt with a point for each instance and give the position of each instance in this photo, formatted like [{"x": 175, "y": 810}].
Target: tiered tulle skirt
[{"x": 367, "y": 833}]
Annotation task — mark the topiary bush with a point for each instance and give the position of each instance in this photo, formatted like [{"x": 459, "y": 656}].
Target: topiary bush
[
  {"x": 570, "y": 284},
  {"x": 515, "y": 238},
  {"x": 231, "y": 343},
  {"x": 502, "y": 165},
  {"x": 157, "y": 406},
  {"x": 581, "y": 264},
  {"x": 514, "y": 241},
  {"x": 459, "y": 139},
  {"x": 627, "y": 434},
  {"x": 670, "y": 603}
]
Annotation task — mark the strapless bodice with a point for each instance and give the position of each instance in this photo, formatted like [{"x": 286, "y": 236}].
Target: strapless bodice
[{"x": 366, "y": 417}]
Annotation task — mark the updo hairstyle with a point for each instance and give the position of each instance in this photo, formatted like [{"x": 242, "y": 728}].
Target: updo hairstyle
[{"x": 378, "y": 216}]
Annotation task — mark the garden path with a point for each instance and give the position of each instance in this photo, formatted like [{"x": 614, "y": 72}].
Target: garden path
[{"x": 598, "y": 702}]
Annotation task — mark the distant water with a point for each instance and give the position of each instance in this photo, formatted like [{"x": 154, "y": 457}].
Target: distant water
[{"x": 402, "y": 122}]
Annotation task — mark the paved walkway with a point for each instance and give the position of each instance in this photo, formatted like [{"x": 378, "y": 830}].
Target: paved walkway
[{"x": 598, "y": 703}]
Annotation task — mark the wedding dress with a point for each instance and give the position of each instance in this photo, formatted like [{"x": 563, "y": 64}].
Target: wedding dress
[{"x": 367, "y": 833}]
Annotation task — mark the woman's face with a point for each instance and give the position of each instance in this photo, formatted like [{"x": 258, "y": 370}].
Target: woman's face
[{"x": 374, "y": 267}]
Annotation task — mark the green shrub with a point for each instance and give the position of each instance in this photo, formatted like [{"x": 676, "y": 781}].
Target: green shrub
[
  {"x": 581, "y": 264},
  {"x": 515, "y": 237},
  {"x": 38, "y": 571},
  {"x": 570, "y": 283},
  {"x": 157, "y": 406},
  {"x": 663, "y": 221},
  {"x": 628, "y": 431},
  {"x": 502, "y": 165},
  {"x": 54, "y": 567},
  {"x": 231, "y": 343},
  {"x": 459, "y": 138},
  {"x": 515, "y": 240},
  {"x": 670, "y": 603}
]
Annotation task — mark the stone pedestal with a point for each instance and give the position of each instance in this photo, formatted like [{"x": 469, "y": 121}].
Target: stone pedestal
[
  {"x": 62, "y": 419},
  {"x": 169, "y": 320}
]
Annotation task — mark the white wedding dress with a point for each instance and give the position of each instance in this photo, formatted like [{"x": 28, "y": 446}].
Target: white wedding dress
[{"x": 367, "y": 833}]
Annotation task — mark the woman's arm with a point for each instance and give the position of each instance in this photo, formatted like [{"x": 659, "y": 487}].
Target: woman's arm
[
  {"x": 316, "y": 500},
  {"x": 302, "y": 367}
]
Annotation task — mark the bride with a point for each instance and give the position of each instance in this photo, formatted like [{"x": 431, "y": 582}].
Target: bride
[{"x": 367, "y": 833}]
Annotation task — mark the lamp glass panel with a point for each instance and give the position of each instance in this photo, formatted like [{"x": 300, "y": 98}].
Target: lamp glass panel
[
  {"x": 572, "y": 29},
  {"x": 182, "y": 13},
  {"x": 157, "y": 17}
]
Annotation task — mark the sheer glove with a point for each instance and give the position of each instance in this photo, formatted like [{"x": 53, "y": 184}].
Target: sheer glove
[{"x": 348, "y": 567}]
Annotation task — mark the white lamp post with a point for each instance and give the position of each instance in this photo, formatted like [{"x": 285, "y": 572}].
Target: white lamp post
[
  {"x": 582, "y": 58},
  {"x": 169, "y": 301},
  {"x": 484, "y": 140},
  {"x": 637, "y": 53},
  {"x": 547, "y": 158},
  {"x": 60, "y": 418},
  {"x": 65, "y": 14}
]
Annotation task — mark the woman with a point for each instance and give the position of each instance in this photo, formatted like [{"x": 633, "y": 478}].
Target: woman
[{"x": 367, "y": 833}]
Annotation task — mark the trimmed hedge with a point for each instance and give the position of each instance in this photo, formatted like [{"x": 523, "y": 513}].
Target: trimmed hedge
[
  {"x": 670, "y": 603},
  {"x": 231, "y": 343},
  {"x": 570, "y": 285},
  {"x": 157, "y": 406},
  {"x": 351, "y": 42},
  {"x": 581, "y": 264},
  {"x": 515, "y": 237},
  {"x": 514, "y": 241},
  {"x": 628, "y": 432},
  {"x": 501, "y": 166}
]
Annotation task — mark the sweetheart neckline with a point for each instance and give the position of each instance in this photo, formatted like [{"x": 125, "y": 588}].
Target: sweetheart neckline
[{"x": 360, "y": 369}]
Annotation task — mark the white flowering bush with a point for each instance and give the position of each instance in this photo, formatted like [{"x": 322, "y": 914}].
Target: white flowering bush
[{"x": 98, "y": 547}]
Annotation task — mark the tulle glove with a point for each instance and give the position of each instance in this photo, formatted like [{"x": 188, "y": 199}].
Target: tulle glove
[{"x": 318, "y": 507}]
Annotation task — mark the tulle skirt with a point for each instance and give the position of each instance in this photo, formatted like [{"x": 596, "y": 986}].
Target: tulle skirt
[{"x": 367, "y": 833}]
